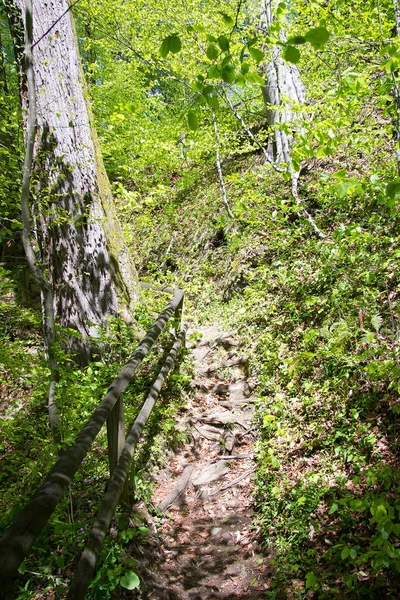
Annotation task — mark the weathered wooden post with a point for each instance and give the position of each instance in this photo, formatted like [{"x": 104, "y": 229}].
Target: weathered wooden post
[
  {"x": 115, "y": 434},
  {"x": 116, "y": 440}
]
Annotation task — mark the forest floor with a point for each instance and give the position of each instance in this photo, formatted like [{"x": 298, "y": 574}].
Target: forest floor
[{"x": 205, "y": 546}]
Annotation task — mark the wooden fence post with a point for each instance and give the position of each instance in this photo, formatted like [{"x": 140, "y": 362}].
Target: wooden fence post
[
  {"x": 179, "y": 317},
  {"x": 116, "y": 439}
]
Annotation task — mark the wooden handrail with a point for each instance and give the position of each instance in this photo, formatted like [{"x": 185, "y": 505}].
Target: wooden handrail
[
  {"x": 22, "y": 533},
  {"x": 84, "y": 572}
]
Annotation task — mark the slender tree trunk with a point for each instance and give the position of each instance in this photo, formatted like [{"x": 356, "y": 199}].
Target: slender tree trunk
[
  {"x": 219, "y": 168},
  {"x": 80, "y": 246},
  {"x": 396, "y": 90}
]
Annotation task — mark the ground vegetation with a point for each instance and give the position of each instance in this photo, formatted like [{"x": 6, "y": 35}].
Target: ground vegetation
[{"x": 310, "y": 282}]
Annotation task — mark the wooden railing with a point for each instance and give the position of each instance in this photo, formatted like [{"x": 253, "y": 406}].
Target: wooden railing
[{"x": 22, "y": 533}]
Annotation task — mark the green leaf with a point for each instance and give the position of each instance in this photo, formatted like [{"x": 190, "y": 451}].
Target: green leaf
[
  {"x": 193, "y": 120},
  {"x": 257, "y": 54},
  {"x": 212, "y": 52},
  {"x": 130, "y": 581},
  {"x": 311, "y": 580},
  {"x": 227, "y": 19},
  {"x": 296, "y": 40},
  {"x": 376, "y": 322},
  {"x": 254, "y": 78},
  {"x": 22, "y": 568},
  {"x": 175, "y": 44},
  {"x": 197, "y": 85},
  {"x": 240, "y": 80},
  {"x": 164, "y": 48},
  {"x": 291, "y": 54},
  {"x": 212, "y": 101},
  {"x": 228, "y": 73},
  {"x": 245, "y": 68},
  {"x": 345, "y": 553},
  {"x": 317, "y": 36},
  {"x": 143, "y": 530},
  {"x": 223, "y": 43},
  {"x": 333, "y": 508},
  {"x": 172, "y": 43},
  {"x": 214, "y": 72}
]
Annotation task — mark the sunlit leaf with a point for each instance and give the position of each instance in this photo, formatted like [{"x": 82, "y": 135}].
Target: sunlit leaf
[
  {"x": 212, "y": 52},
  {"x": 254, "y": 78},
  {"x": 257, "y": 54},
  {"x": 193, "y": 120},
  {"x": 227, "y": 19},
  {"x": 291, "y": 54},
  {"x": 228, "y": 73},
  {"x": 296, "y": 40},
  {"x": 317, "y": 36},
  {"x": 130, "y": 581},
  {"x": 223, "y": 43}
]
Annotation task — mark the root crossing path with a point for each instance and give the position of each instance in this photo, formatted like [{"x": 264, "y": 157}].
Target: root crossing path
[{"x": 205, "y": 547}]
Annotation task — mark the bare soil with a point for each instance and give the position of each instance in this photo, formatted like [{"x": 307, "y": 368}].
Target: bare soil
[{"x": 205, "y": 546}]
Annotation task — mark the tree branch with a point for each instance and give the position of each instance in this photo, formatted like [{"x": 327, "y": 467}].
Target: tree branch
[{"x": 218, "y": 161}]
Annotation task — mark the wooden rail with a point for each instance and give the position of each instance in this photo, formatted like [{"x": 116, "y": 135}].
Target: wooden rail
[{"x": 22, "y": 533}]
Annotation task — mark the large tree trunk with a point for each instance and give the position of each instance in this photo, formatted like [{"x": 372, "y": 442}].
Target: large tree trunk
[
  {"x": 283, "y": 90},
  {"x": 79, "y": 243}
]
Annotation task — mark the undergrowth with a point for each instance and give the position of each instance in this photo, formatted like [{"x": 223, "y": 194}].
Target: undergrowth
[
  {"x": 319, "y": 319},
  {"x": 27, "y": 452}
]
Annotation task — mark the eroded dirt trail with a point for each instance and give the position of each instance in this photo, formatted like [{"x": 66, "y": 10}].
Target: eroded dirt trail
[{"x": 205, "y": 548}]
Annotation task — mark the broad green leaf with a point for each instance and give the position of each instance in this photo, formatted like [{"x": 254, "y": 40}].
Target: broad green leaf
[
  {"x": 130, "y": 581},
  {"x": 197, "y": 85},
  {"x": 143, "y": 530},
  {"x": 228, "y": 73},
  {"x": 223, "y": 43},
  {"x": 245, "y": 68},
  {"x": 212, "y": 101},
  {"x": 296, "y": 40},
  {"x": 212, "y": 52},
  {"x": 254, "y": 78},
  {"x": 345, "y": 553},
  {"x": 164, "y": 49},
  {"x": 333, "y": 508},
  {"x": 175, "y": 44},
  {"x": 193, "y": 120},
  {"x": 227, "y": 19},
  {"x": 393, "y": 188},
  {"x": 311, "y": 580},
  {"x": 257, "y": 54},
  {"x": 172, "y": 43},
  {"x": 214, "y": 72},
  {"x": 240, "y": 80},
  {"x": 291, "y": 54},
  {"x": 317, "y": 36}
]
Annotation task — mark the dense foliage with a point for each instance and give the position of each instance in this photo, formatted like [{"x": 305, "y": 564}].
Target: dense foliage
[{"x": 318, "y": 314}]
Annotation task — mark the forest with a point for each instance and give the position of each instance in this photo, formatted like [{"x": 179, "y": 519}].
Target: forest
[{"x": 220, "y": 182}]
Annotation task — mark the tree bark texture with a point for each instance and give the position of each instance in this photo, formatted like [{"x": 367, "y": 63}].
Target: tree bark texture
[
  {"x": 283, "y": 89},
  {"x": 79, "y": 240}
]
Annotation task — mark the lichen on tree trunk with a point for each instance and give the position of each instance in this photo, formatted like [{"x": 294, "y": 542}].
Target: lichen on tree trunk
[{"x": 79, "y": 240}]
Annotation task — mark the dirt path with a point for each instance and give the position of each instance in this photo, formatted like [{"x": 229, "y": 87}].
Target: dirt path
[{"x": 205, "y": 548}]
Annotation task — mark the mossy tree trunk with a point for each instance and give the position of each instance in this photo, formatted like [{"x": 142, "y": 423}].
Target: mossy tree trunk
[{"x": 77, "y": 237}]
